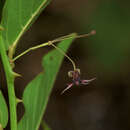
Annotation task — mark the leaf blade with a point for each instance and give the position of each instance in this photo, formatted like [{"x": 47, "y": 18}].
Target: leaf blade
[
  {"x": 17, "y": 17},
  {"x": 41, "y": 87}
]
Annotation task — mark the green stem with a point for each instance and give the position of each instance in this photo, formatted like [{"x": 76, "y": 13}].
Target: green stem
[
  {"x": 10, "y": 83},
  {"x": 62, "y": 52},
  {"x": 30, "y": 49}
]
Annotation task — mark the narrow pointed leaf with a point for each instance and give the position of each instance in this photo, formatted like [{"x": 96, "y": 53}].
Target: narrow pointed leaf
[
  {"x": 17, "y": 16},
  {"x": 37, "y": 92},
  {"x": 3, "y": 111}
]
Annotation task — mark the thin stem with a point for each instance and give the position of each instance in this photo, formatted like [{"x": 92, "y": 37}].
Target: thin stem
[
  {"x": 30, "y": 49},
  {"x": 54, "y": 41},
  {"x": 10, "y": 84},
  {"x": 62, "y": 38},
  {"x": 61, "y": 51},
  {"x": 93, "y": 32},
  {"x": 46, "y": 44}
]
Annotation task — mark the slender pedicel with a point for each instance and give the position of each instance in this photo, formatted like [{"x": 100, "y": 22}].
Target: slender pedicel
[{"x": 52, "y": 44}]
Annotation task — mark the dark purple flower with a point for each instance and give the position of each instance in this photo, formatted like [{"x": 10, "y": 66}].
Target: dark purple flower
[{"x": 75, "y": 75}]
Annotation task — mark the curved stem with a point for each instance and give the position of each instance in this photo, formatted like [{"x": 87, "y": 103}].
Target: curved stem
[
  {"x": 51, "y": 43},
  {"x": 61, "y": 51},
  {"x": 10, "y": 84},
  {"x": 30, "y": 49}
]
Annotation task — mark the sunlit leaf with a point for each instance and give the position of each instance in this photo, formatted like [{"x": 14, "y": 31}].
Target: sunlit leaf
[{"x": 37, "y": 92}]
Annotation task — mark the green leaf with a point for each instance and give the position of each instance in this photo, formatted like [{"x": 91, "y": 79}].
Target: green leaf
[
  {"x": 37, "y": 92},
  {"x": 17, "y": 16},
  {"x": 3, "y": 111}
]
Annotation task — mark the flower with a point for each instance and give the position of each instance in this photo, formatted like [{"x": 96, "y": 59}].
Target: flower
[{"x": 75, "y": 75}]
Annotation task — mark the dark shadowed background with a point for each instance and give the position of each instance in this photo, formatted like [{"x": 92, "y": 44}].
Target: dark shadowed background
[{"x": 105, "y": 103}]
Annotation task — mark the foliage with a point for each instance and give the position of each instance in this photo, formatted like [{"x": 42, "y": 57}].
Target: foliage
[
  {"x": 37, "y": 92},
  {"x": 17, "y": 17}
]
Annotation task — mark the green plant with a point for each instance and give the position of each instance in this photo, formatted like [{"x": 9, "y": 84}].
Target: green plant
[{"x": 11, "y": 30}]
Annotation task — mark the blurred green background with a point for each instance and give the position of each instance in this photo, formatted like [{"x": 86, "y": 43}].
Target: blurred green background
[{"x": 105, "y": 103}]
